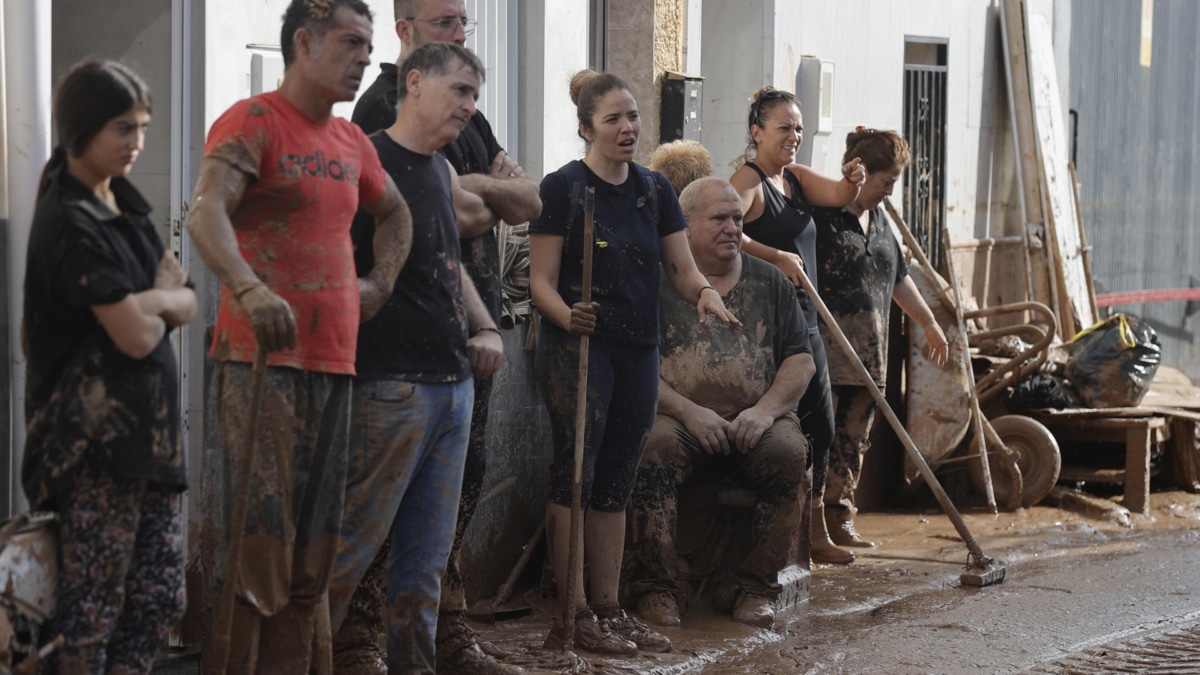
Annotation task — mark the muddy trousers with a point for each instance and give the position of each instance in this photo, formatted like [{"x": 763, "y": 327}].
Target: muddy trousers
[
  {"x": 408, "y": 443},
  {"x": 294, "y": 515},
  {"x": 776, "y": 469},
  {"x": 816, "y": 418},
  {"x": 854, "y": 415},
  {"x": 365, "y": 614},
  {"x": 120, "y": 587}
]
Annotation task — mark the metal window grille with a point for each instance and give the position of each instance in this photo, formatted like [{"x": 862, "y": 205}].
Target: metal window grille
[{"x": 925, "y": 178}]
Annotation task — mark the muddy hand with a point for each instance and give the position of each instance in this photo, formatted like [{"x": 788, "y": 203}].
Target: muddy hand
[
  {"x": 711, "y": 304},
  {"x": 709, "y": 429},
  {"x": 583, "y": 318},
  {"x": 855, "y": 172},
  {"x": 938, "y": 347},
  {"x": 272, "y": 318},
  {"x": 370, "y": 299},
  {"x": 170, "y": 275},
  {"x": 503, "y": 167},
  {"x": 748, "y": 428},
  {"x": 486, "y": 351},
  {"x": 790, "y": 264}
]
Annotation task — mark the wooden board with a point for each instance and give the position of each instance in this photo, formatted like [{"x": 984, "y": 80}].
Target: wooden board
[
  {"x": 1059, "y": 193},
  {"x": 1033, "y": 230}
]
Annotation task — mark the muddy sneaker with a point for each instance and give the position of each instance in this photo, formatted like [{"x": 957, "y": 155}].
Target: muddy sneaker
[
  {"x": 843, "y": 533},
  {"x": 590, "y": 634},
  {"x": 454, "y": 633},
  {"x": 755, "y": 610},
  {"x": 633, "y": 630},
  {"x": 471, "y": 660},
  {"x": 659, "y": 608}
]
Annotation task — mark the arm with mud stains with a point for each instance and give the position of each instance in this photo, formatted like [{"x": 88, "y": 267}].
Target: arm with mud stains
[
  {"x": 485, "y": 346},
  {"x": 909, "y": 299},
  {"x": 831, "y": 192},
  {"x": 218, "y": 194},
  {"x": 511, "y": 196},
  {"x": 471, "y": 213},
  {"x": 791, "y": 380},
  {"x": 392, "y": 243},
  {"x": 709, "y": 429}
]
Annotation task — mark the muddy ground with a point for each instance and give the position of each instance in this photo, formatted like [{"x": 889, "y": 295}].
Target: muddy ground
[{"x": 1077, "y": 587}]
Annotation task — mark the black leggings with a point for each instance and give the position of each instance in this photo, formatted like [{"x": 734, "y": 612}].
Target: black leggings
[
  {"x": 622, "y": 398},
  {"x": 815, "y": 411}
]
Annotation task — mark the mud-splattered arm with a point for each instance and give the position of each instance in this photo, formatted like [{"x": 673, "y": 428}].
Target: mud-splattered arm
[
  {"x": 471, "y": 213},
  {"x": 709, "y": 429},
  {"x": 485, "y": 348},
  {"x": 218, "y": 194},
  {"x": 822, "y": 191},
  {"x": 909, "y": 299},
  {"x": 506, "y": 190},
  {"x": 689, "y": 283},
  {"x": 791, "y": 380},
  {"x": 392, "y": 243}
]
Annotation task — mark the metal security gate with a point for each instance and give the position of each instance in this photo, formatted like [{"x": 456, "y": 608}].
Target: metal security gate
[{"x": 925, "y": 178}]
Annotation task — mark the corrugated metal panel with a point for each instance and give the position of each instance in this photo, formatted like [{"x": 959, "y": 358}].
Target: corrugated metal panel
[
  {"x": 491, "y": 41},
  {"x": 1139, "y": 157}
]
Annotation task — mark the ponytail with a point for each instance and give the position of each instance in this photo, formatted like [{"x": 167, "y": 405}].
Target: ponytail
[{"x": 57, "y": 159}]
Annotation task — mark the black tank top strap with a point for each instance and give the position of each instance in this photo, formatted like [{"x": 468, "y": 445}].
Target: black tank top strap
[
  {"x": 794, "y": 180},
  {"x": 774, "y": 202}
]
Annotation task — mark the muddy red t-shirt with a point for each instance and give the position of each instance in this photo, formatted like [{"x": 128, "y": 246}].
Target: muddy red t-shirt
[{"x": 293, "y": 225}]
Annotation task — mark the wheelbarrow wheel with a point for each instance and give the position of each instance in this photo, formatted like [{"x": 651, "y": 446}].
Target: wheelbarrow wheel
[{"x": 1038, "y": 457}]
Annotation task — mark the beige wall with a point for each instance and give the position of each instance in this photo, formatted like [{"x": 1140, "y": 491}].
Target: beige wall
[{"x": 644, "y": 40}]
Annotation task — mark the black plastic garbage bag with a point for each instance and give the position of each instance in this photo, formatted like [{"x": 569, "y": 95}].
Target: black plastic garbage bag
[
  {"x": 1113, "y": 363},
  {"x": 1035, "y": 392}
]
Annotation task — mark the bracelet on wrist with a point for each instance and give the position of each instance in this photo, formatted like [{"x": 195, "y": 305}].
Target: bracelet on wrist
[
  {"x": 481, "y": 329},
  {"x": 708, "y": 288},
  {"x": 237, "y": 295}
]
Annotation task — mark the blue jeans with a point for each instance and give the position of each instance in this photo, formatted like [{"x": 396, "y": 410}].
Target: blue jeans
[{"x": 408, "y": 442}]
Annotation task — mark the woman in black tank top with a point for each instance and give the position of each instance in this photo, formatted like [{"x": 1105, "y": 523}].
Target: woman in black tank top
[{"x": 777, "y": 199}]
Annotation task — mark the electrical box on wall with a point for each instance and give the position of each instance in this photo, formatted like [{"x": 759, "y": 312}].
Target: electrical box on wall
[
  {"x": 682, "y": 105},
  {"x": 814, "y": 88},
  {"x": 266, "y": 68}
]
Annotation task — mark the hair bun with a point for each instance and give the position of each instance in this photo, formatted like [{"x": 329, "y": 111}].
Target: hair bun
[{"x": 579, "y": 81}]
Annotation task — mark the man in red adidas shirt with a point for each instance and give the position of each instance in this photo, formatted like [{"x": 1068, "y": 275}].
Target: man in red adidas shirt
[{"x": 280, "y": 184}]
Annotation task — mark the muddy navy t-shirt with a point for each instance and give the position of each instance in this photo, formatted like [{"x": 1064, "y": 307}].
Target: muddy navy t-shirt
[
  {"x": 724, "y": 368},
  {"x": 420, "y": 334},
  {"x": 626, "y": 255},
  {"x": 858, "y": 274}
]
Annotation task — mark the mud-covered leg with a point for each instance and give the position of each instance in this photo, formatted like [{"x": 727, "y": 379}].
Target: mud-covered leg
[{"x": 854, "y": 415}]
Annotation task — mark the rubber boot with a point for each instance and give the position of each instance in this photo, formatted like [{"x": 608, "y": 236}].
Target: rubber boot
[{"x": 823, "y": 549}]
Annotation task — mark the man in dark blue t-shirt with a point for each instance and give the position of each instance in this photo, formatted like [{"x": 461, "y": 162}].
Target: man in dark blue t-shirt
[
  {"x": 414, "y": 391},
  {"x": 485, "y": 170}
]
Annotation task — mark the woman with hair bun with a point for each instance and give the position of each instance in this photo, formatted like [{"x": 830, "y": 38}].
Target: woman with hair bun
[
  {"x": 639, "y": 226},
  {"x": 103, "y": 447},
  {"x": 778, "y": 197},
  {"x": 861, "y": 272}
]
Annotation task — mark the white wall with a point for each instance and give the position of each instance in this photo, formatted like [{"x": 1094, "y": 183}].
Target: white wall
[
  {"x": 553, "y": 48},
  {"x": 734, "y": 62},
  {"x": 233, "y": 24}
]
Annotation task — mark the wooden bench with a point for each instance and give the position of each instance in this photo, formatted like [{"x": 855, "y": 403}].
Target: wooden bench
[{"x": 1140, "y": 430}]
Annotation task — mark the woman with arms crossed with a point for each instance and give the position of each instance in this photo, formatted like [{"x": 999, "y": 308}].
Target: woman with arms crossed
[{"x": 103, "y": 447}]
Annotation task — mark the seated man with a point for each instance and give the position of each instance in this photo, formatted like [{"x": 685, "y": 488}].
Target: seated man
[{"x": 725, "y": 395}]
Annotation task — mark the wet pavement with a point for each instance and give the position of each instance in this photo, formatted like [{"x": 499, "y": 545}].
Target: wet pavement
[{"x": 1081, "y": 595}]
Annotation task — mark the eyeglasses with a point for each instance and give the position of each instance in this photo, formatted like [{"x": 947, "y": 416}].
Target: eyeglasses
[{"x": 446, "y": 24}]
